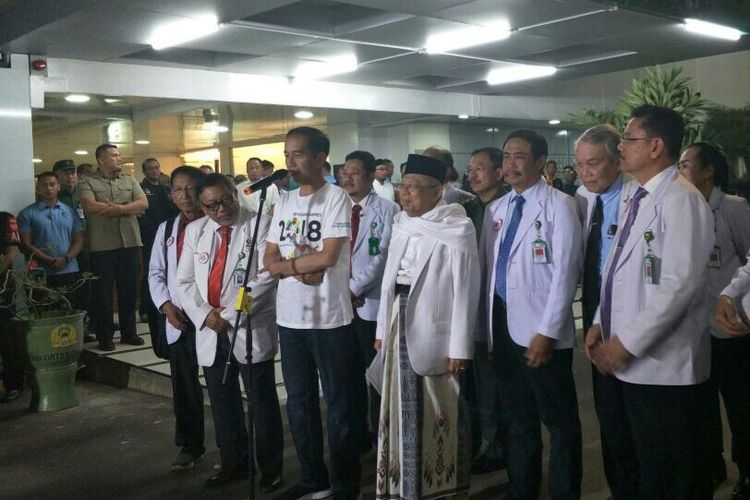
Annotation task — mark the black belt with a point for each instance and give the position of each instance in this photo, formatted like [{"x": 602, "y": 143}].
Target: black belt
[{"x": 402, "y": 289}]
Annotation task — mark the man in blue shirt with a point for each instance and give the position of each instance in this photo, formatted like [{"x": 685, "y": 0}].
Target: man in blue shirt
[
  {"x": 600, "y": 200},
  {"x": 52, "y": 236}
]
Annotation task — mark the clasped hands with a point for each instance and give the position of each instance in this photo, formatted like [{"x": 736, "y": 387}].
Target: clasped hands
[{"x": 606, "y": 356}]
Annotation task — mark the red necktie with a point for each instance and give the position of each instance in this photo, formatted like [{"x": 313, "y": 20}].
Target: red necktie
[
  {"x": 181, "y": 236},
  {"x": 356, "y": 211},
  {"x": 216, "y": 277}
]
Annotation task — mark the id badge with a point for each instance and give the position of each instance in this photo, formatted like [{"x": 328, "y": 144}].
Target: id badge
[
  {"x": 239, "y": 278},
  {"x": 649, "y": 269},
  {"x": 539, "y": 251},
  {"x": 714, "y": 261},
  {"x": 373, "y": 245}
]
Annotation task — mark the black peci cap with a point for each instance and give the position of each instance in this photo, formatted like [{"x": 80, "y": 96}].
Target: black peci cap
[{"x": 425, "y": 165}]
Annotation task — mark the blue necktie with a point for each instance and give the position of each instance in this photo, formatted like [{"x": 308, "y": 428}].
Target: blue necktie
[
  {"x": 606, "y": 305},
  {"x": 502, "y": 259}
]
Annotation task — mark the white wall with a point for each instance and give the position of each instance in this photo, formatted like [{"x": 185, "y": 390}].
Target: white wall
[{"x": 16, "y": 148}]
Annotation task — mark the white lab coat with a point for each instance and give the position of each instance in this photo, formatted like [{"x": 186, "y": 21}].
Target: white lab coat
[
  {"x": 664, "y": 325},
  {"x": 367, "y": 270},
  {"x": 162, "y": 275},
  {"x": 444, "y": 293},
  {"x": 539, "y": 296},
  {"x": 192, "y": 287}
]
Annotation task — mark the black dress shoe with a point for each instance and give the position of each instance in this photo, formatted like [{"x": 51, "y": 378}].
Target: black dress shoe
[
  {"x": 134, "y": 340},
  {"x": 106, "y": 345},
  {"x": 226, "y": 476},
  {"x": 741, "y": 490},
  {"x": 88, "y": 338}
]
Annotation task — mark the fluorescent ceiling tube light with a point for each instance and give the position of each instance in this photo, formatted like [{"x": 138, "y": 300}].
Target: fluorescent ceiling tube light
[
  {"x": 81, "y": 152},
  {"x": 554, "y": 122},
  {"x": 518, "y": 72},
  {"x": 77, "y": 98},
  {"x": 712, "y": 30},
  {"x": 142, "y": 142},
  {"x": 320, "y": 69},
  {"x": 182, "y": 31},
  {"x": 463, "y": 117},
  {"x": 303, "y": 115},
  {"x": 466, "y": 37},
  {"x": 111, "y": 100},
  {"x": 37, "y": 160}
]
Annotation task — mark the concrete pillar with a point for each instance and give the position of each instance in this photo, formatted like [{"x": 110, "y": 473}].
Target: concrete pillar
[
  {"x": 344, "y": 139},
  {"x": 16, "y": 168}
]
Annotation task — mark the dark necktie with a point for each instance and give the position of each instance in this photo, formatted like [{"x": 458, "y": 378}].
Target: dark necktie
[
  {"x": 606, "y": 306},
  {"x": 502, "y": 259},
  {"x": 356, "y": 211},
  {"x": 592, "y": 278},
  {"x": 216, "y": 277}
]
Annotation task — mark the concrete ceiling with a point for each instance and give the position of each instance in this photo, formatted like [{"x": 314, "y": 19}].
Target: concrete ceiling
[{"x": 273, "y": 37}]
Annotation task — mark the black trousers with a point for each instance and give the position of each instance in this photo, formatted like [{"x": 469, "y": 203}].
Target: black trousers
[
  {"x": 115, "y": 268},
  {"x": 187, "y": 393},
  {"x": 146, "y": 305},
  {"x": 78, "y": 297},
  {"x": 229, "y": 415},
  {"x": 672, "y": 442},
  {"x": 618, "y": 449},
  {"x": 529, "y": 396},
  {"x": 730, "y": 376},
  {"x": 12, "y": 346},
  {"x": 366, "y": 398}
]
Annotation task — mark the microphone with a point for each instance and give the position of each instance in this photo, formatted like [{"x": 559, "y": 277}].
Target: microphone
[{"x": 265, "y": 182}]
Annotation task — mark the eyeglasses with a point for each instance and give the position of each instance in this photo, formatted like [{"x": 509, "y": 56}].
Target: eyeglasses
[
  {"x": 408, "y": 187},
  {"x": 625, "y": 138},
  {"x": 225, "y": 202},
  {"x": 186, "y": 191}
]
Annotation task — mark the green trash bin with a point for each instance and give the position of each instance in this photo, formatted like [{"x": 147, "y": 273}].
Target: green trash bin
[{"x": 53, "y": 345}]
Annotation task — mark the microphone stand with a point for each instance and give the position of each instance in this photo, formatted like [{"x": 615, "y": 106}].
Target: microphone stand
[{"x": 244, "y": 304}]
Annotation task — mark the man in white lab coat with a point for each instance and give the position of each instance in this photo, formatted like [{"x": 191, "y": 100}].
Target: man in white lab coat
[
  {"x": 651, "y": 330},
  {"x": 372, "y": 218},
  {"x": 209, "y": 277},
  {"x": 602, "y": 197},
  {"x": 531, "y": 255},
  {"x": 187, "y": 393}
]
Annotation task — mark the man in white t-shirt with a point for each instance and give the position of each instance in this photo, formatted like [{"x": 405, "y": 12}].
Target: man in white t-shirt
[
  {"x": 382, "y": 184},
  {"x": 249, "y": 200},
  {"x": 307, "y": 250}
]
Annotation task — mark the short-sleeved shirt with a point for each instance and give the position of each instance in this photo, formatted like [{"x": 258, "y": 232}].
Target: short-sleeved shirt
[
  {"x": 51, "y": 229},
  {"x": 300, "y": 225},
  {"x": 111, "y": 233}
]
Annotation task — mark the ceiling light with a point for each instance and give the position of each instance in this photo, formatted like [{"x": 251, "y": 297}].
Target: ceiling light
[
  {"x": 111, "y": 100},
  {"x": 77, "y": 98},
  {"x": 142, "y": 142},
  {"x": 463, "y": 117},
  {"x": 562, "y": 133},
  {"x": 313, "y": 70},
  {"x": 491, "y": 130},
  {"x": 304, "y": 115},
  {"x": 81, "y": 152},
  {"x": 554, "y": 122},
  {"x": 712, "y": 29},
  {"x": 37, "y": 160},
  {"x": 184, "y": 30},
  {"x": 222, "y": 128},
  {"x": 518, "y": 72},
  {"x": 466, "y": 37}
]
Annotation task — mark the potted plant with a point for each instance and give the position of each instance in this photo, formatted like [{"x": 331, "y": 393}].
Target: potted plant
[{"x": 53, "y": 332}]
